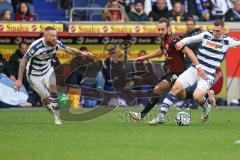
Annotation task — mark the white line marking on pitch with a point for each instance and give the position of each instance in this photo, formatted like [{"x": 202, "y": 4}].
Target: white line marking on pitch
[{"x": 237, "y": 142}]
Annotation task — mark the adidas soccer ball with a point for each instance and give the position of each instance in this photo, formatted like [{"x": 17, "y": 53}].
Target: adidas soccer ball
[{"x": 183, "y": 119}]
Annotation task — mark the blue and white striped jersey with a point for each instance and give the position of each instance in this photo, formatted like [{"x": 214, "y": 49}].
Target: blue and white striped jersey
[
  {"x": 40, "y": 57},
  {"x": 211, "y": 52}
]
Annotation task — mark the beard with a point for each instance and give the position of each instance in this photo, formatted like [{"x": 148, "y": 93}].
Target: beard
[
  {"x": 52, "y": 44},
  {"x": 162, "y": 35}
]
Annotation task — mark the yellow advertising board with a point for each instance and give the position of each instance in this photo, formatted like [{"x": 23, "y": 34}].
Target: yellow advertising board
[
  {"x": 28, "y": 27},
  {"x": 127, "y": 28},
  {"x": 100, "y": 53},
  {"x": 8, "y": 27},
  {"x": 112, "y": 28},
  {"x": 96, "y": 49}
]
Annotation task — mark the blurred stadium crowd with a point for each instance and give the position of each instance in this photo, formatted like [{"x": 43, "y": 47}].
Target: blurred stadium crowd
[{"x": 116, "y": 10}]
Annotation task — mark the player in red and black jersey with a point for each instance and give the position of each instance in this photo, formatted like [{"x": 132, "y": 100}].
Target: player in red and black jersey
[
  {"x": 175, "y": 64},
  {"x": 174, "y": 58}
]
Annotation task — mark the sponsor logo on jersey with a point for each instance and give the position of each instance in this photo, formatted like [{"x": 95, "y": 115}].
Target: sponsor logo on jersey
[{"x": 213, "y": 45}]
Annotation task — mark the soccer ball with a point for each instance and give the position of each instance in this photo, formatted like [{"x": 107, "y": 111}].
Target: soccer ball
[{"x": 183, "y": 119}]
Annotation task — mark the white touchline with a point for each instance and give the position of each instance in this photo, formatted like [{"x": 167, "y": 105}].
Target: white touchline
[{"x": 237, "y": 142}]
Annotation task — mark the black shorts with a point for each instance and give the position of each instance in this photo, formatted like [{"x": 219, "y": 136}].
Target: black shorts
[{"x": 171, "y": 77}]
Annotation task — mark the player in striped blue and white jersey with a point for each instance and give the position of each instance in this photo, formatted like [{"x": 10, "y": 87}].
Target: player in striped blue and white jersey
[
  {"x": 40, "y": 57},
  {"x": 214, "y": 46},
  {"x": 40, "y": 73}
]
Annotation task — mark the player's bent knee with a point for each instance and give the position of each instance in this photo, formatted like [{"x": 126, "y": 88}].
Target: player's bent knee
[
  {"x": 157, "y": 90},
  {"x": 181, "y": 95},
  {"x": 177, "y": 88},
  {"x": 160, "y": 89},
  {"x": 197, "y": 96}
]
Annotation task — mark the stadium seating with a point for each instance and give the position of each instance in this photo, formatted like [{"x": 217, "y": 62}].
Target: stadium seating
[
  {"x": 84, "y": 3},
  {"x": 91, "y": 15},
  {"x": 48, "y": 11}
]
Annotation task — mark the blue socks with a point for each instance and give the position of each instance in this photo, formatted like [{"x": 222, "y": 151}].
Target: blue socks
[{"x": 168, "y": 101}]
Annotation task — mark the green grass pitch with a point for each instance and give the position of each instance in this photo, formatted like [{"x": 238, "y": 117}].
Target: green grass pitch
[{"x": 29, "y": 134}]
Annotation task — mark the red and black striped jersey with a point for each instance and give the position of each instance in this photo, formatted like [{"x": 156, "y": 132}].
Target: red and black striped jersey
[{"x": 174, "y": 58}]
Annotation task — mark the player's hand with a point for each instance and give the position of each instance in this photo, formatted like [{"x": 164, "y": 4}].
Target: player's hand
[
  {"x": 201, "y": 73},
  {"x": 139, "y": 59},
  {"x": 179, "y": 45},
  {"x": 96, "y": 57},
  {"x": 13, "y": 78},
  {"x": 88, "y": 54},
  {"x": 17, "y": 85}
]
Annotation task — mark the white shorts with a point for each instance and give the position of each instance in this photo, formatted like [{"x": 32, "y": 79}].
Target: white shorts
[
  {"x": 41, "y": 84},
  {"x": 190, "y": 77}
]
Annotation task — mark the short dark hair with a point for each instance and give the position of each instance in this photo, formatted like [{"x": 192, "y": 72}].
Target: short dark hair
[
  {"x": 219, "y": 22},
  {"x": 21, "y": 43},
  {"x": 191, "y": 19},
  {"x": 164, "y": 20},
  {"x": 142, "y": 51},
  {"x": 138, "y": 1},
  {"x": 49, "y": 28},
  {"x": 83, "y": 48}
]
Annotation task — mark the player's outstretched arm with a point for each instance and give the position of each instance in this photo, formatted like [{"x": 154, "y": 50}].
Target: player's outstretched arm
[
  {"x": 155, "y": 54},
  {"x": 234, "y": 42},
  {"x": 75, "y": 51},
  {"x": 189, "y": 40},
  {"x": 194, "y": 61},
  {"x": 21, "y": 70}
]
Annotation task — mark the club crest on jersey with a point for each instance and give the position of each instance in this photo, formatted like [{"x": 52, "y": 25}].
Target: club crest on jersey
[
  {"x": 213, "y": 45},
  {"x": 32, "y": 51}
]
